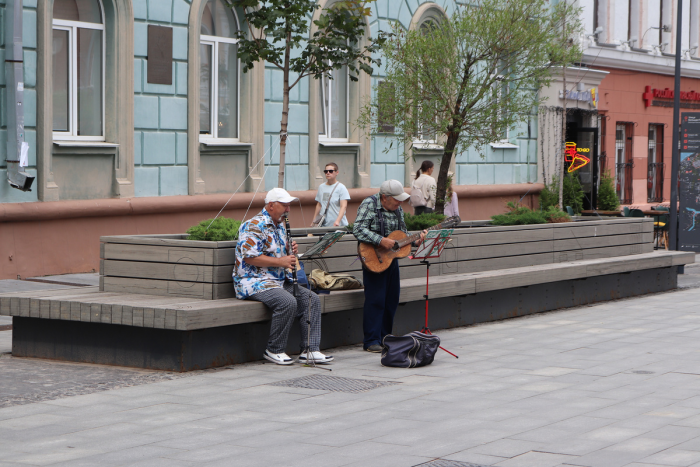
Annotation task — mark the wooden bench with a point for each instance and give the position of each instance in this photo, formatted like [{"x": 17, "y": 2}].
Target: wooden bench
[{"x": 532, "y": 269}]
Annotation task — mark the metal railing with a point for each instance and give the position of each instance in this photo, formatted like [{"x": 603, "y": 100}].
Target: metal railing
[
  {"x": 655, "y": 182},
  {"x": 623, "y": 180}
]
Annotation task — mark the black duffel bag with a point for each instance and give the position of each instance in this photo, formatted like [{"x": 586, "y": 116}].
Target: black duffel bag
[{"x": 410, "y": 351}]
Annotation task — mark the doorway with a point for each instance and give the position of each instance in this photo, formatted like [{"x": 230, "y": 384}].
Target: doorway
[{"x": 586, "y": 140}]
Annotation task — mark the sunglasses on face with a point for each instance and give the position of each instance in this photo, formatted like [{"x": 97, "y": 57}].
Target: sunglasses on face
[{"x": 329, "y": 171}]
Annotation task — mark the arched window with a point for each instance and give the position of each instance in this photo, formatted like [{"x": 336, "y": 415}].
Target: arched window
[
  {"x": 78, "y": 70},
  {"x": 219, "y": 72},
  {"x": 333, "y": 105}
]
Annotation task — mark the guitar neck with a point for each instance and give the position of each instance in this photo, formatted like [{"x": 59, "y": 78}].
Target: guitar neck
[{"x": 416, "y": 236}]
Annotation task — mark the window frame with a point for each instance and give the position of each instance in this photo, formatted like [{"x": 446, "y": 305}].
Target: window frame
[
  {"x": 500, "y": 85},
  {"x": 72, "y": 27},
  {"x": 214, "y": 42},
  {"x": 323, "y": 137},
  {"x": 419, "y": 140}
]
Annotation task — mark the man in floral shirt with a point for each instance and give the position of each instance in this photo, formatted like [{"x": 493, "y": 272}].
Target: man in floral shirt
[{"x": 263, "y": 259}]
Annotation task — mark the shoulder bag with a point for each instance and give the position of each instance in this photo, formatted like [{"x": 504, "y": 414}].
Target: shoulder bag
[{"x": 410, "y": 351}]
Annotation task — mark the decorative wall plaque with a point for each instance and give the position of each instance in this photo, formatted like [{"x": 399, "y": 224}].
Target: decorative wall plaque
[{"x": 160, "y": 55}]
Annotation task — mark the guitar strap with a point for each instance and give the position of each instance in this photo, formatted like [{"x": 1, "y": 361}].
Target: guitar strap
[{"x": 380, "y": 216}]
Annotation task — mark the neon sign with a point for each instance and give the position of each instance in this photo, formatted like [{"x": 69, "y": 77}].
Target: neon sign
[{"x": 573, "y": 155}]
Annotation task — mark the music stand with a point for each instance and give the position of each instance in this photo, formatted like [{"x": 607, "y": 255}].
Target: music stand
[
  {"x": 314, "y": 253},
  {"x": 432, "y": 247}
]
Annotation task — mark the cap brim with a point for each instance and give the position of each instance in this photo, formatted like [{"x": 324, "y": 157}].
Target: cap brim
[
  {"x": 402, "y": 197},
  {"x": 288, "y": 199}
]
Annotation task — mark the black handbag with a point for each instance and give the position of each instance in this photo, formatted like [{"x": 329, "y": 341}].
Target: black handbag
[{"x": 410, "y": 351}]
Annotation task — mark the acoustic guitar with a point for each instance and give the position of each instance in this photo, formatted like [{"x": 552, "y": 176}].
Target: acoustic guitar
[{"x": 378, "y": 259}]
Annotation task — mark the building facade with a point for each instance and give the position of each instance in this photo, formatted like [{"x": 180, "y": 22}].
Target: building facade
[
  {"x": 620, "y": 100},
  {"x": 144, "y": 103}
]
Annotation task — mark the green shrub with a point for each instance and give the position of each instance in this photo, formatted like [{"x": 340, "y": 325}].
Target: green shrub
[
  {"x": 221, "y": 230},
  {"x": 522, "y": 215},
  {"x": 422, "y": 221},
  {"x": 553, "y": 214},
  {"x": 550, "y": 195},
  {"x": 607, "y": 195},
  {"x": 573, "y": 192}
]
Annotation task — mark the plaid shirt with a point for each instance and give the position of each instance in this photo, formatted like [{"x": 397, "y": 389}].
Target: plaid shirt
[{"x": 367, "y": 229}]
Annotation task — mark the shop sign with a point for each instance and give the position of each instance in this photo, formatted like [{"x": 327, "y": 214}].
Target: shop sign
[
  {"x": 664, "y": 98},
  {"x": 575, "y": 156},
  {"x": 689, "y": 179},
  {"x": 590, "y": 96}
]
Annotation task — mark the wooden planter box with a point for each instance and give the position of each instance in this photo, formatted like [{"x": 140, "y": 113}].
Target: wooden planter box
[{"x": 170, "y": 265}]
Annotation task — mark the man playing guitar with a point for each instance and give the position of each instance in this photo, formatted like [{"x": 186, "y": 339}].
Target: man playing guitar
[{"x": 377, "y": 217}]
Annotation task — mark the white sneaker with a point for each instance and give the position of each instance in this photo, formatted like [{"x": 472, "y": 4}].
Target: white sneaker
[
  {"x": 316, "y": 356},
  {"x": 278, "y": 358}
]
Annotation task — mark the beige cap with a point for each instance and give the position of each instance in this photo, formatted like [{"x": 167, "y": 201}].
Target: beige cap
[{"x": 394, "y": 188}]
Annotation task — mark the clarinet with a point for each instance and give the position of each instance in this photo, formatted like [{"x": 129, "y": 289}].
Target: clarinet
[{"x": 291, "y": 252}]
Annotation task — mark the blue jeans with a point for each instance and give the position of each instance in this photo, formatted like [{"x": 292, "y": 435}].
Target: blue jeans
[{"x": 381, "y": 300}]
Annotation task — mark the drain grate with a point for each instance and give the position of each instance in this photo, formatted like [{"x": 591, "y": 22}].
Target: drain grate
[
  {"x": 333, "y": 383},
  {"x": 446, "y": 463}
]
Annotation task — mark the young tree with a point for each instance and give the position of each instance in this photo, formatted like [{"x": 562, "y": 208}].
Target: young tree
[
  {"x": 471, "y": 78},
  {"x": 278, "y": 32}
]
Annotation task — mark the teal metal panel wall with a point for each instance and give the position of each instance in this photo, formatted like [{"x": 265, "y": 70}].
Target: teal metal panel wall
[
  {"x": 160, "y": 114},
  {"x": 160, "y": 111}
]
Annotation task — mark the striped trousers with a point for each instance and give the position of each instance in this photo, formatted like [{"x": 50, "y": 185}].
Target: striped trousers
[{"x": 285, "y": 308}]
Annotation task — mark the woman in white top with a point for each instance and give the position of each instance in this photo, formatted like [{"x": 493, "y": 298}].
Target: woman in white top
[{"x": 424, "y": 189}]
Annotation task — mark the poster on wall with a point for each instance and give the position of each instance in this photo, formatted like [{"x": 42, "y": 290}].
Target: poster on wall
[{"x": 689, "y": 178}]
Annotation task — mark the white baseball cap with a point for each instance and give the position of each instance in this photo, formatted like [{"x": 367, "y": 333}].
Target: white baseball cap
[
  {"x": 280, "y": 195},
  {"x": 394, "y": 188}
]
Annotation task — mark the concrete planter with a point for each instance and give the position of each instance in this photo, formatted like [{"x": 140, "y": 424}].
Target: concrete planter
[{"x": 170, "y": 265}]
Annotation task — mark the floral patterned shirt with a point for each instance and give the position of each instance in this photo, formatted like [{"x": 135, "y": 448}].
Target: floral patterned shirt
[{"x": 259, "y": 236}]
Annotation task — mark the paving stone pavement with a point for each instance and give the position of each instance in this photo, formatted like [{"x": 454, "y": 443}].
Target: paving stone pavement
[{"x": 609, "y": 385}]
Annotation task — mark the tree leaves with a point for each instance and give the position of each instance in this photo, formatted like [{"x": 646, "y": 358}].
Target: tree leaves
[
  {"x": 279, "y": 32},
  {"x": 474, "y": 76}
]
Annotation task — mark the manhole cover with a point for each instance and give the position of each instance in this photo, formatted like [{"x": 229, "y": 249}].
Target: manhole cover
[
  {"x": 643, "y": 372},
  {"x": 333, "y": 383},
  {"x": 446, "y": 463}
]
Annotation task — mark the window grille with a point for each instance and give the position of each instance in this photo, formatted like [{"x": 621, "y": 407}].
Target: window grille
[
  {"x": 624, "y": 162},
  {"x": 655, "y": 168}
]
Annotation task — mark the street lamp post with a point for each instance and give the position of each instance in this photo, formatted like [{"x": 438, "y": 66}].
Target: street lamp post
[{"x": 675, "y": 154}]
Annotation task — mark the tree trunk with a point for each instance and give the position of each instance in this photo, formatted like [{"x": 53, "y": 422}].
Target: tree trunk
[
  {"x": 285, "y": 114},
  {"x": 450, "y": 145}
]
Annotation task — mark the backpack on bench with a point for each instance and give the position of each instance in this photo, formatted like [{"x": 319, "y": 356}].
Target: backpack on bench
[{"x": 410, "y": 351}]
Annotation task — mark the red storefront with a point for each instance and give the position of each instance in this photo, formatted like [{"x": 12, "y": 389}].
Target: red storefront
[{"x": 636, "y": 110}]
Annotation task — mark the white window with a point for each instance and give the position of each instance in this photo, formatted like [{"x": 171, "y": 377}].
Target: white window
[
  {"x": 333, "y": 105},
  {"x": 426, "y": 136},
  {"x": 693, "y": 36},
  {"x": 500, "y": 90},
  {"x": 78, "y": 70},
  {"x": 219, "y": 86},
  {"x": 621, "y": 21}
]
